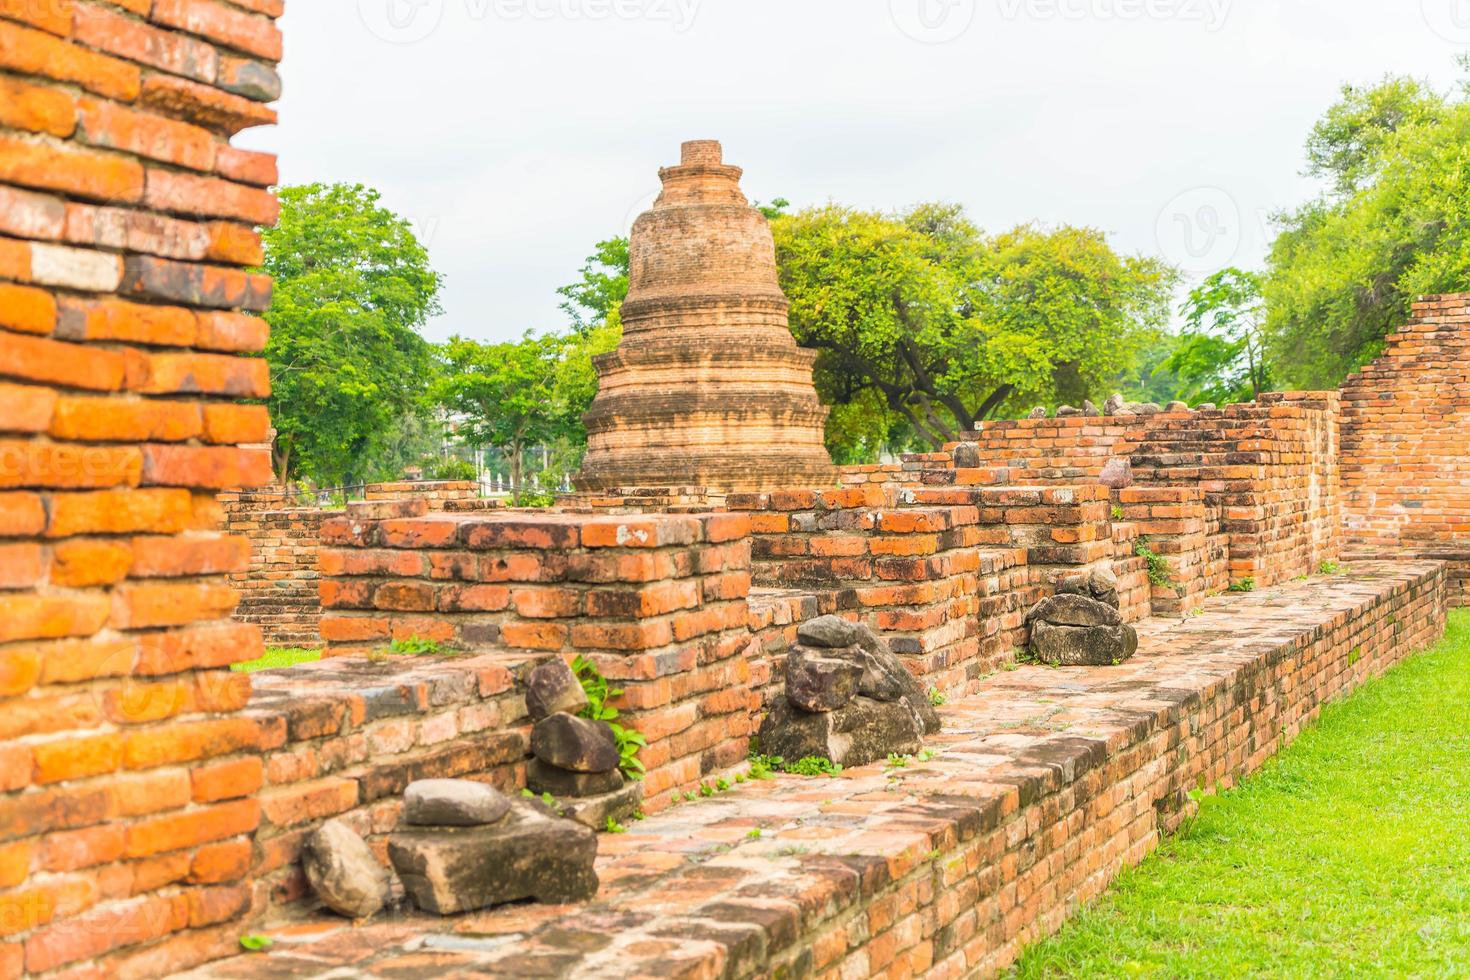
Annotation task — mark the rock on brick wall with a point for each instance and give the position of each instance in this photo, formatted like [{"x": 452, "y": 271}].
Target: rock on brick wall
[
  {"x": 126, "y": 340},
  {"x": 1405, "y": 448},
  {"x": 658, "y": 602}
]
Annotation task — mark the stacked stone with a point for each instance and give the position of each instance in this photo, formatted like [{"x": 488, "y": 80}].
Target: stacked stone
[
  {"x": 707, "y": 387},
  {"x": 848, "y": 699},
  {"x": 574, "y": 759},
  {"x": 1080, "y": 626},
  {"x": 128, "y": 232}
]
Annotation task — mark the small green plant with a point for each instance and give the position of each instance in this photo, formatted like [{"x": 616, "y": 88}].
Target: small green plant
[
  {"x": 741, "y": 777},
  {"x": 638, "y": 814},
  {"x": 706, "y": 790},
  {"x": 722, "y": 784},
  {"x": 1247, "y": 584},
  {"x": 1117, "y": 512},
  {"x": 765, "y": 766},
  {"x": 613, "y": 827},
  {"x": 754, "y": 833},
  {"x": 932, "y": 855},
  {"x": 937, "y": 697},
  {"x": 897, "y": 761},
  {"x": 599, "y": 693},
  {"x": 814, "y": 765},
  {"x": 256, "y": 943},
  {"x": 415, "y": 646},
  {"x": 1329, "y": 567},
  {"x": 1159, "y": 572},
  {"x": 545, "y": 798},
  {"x": 928, "y": 754},
  {"x": 1355, "y": 655}
]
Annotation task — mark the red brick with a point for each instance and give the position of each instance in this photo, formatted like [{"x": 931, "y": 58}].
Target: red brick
[
  {"x": 228, "y": 780},
  {"x": 148, "y": 793},
  {"x": 69, "y": 365},
  {"x": 138, "y": 703},
  {"x": 234, "y": 244},
  {"x": 27, "y": 309},
  {"x": 227, "y": 25},
  {"x": 75, "y": 849},
  {"x": 293, "y": 805},
  {"x": 106, "y": 30},
  {"x": 26, "y": 214},
  {"x": 215, "y": 863},
  {"x": 112, "y": 319},
  {"x": 159, "y": 557},
  {"x": 74, "y": 170},
  {"x": 32, "y": 52},
  {"x": 169, "y": 190},
  {"x": 119, "y": 512},
  {"x": 19, "y": 671},
  {"x": 217, "y": 468},
  {"x": 54, "y": 16},
  {"x": 215, "y": 645},
  {"x": 21, "y": 515},
  {"x": 37, "y": 108},
  {"x": 125, "y": 420},
  {"x": 208, "y": 374},
  {"x": 24, "y": 408},
  {"x": 146, "y": 277},
  {"x": 108, "y": 125},
  {"x": 31, "y": 617},
  {"x": 186, "y": 742},
  {"x": 232, "y": 332},
  {"x": 204, "y": 105},
  {"x": 247, "y": 166},
  {"x": 73, "y": 661},
  {"x": 77, "y": 758},
  {"x": 103, "y": 930},
  {"x": 152, "y": 605},
  {"x": 36, "y": 464}
]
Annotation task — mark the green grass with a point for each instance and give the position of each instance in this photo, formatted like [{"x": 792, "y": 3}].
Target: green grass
[
  {"x": 1349, "y": 854},
  {"x": 276, "y": 657}
]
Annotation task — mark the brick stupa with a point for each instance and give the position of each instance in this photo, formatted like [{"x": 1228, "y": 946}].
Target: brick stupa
[{"x": 707, "y": 388}]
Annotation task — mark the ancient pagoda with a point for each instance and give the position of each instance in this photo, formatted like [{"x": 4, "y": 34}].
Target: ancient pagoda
[{"x": 707, "y": 388}]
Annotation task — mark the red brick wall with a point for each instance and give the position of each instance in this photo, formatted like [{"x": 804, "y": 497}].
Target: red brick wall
[
  {"x": 126, "y": 227},
  {"x": 1405, "y": 448},
  {"x": 280, "y": 590}
]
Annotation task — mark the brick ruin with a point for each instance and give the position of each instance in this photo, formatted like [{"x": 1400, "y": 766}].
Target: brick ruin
[{"x": 153, "y": 803}]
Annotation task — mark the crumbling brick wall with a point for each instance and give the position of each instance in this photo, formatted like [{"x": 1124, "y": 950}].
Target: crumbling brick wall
[
  {"x": 1405, "y": 447},
  {"x": 127, "y": 226},
  {"x": 280, "y": 589}
]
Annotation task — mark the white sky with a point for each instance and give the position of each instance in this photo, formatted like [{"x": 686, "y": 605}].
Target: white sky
[{"x": 515, "y": 134}]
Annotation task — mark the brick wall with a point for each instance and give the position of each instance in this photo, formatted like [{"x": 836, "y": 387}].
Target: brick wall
[
  {"x": 126, "y": 228},
  {"x": 1405, "y": 452},
  {"x": 279, "y": 590}
]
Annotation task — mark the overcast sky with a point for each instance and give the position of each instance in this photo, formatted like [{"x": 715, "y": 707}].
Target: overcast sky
[{"x": 515, "y": 134}]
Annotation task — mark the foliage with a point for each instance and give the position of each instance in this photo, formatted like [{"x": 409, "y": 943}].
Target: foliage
[
  {"x": 1247, "y": 584},
  {"x": 452, "y": 468},
  {"x": 415, "y": 646},
  {"x": 1346, "y": 855},
  {"x": 594, "y": 299},
  {"x": 948, "y": 325},
  {"x": 277, "y": 657},
  {"x": 629, "y": 741},
  {"x": 1392, "y": 225},
  {"x": 1329, "y": 567},
  {"x": 1159, "y": 572},
  {"x": 613, "y": 827},
  {"x": 937, "y": 697},
  {"x": 897, "y": 760},
  {"x": 1220, "y": 356},
  {"x": 256, "y": 943},
  {"x": 765, "y": 766},
  {"x": 813, "y": 765},
  {"x": 353, "y": 287}
]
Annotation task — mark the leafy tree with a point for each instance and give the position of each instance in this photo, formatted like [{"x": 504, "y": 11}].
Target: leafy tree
[
  {"x": 950, "y": 325},
  {"x": 353, "y": 286},
  {"x": 1219, "y": 357},
  {"x": 1392, "y": 225},
  {"x": 600, "y": 291},
  {"x": 511, "y": 397}
]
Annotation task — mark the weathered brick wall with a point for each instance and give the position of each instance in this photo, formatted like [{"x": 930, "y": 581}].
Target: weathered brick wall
[
  {"x": 657, "y": 602},
  {"x": 280, "y": 589},
  {"x": 1405, "y": 451},
  {"x": 126, "y": 228}
]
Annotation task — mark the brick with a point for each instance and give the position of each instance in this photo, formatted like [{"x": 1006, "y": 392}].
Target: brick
[
  {"x": 237, "y": 424},
  {"x": 234, "y": 244},
  {"x": 211, "y": 905},
  {"x": 32, "y": 52},
  {"x": 106, "y": 30},
  {"x": 77, "y": 758},
  {"x": 251, "y": 79},
  {"x": 108, "y": 125},
  {"x": 305, "y": 802},
  {"x": 193, "y": 284},
  {"x": 207, "y": 374},
  {"x": 73, "y": 170},
  {"x": 214, "y": 467},
  {"x": 75, "y": 268},
  {"x": 66, "y": 365},
  {"x": 216, "y": 863},
  {"x": 136, "y": 231},
  {"x": 227, "y": 780},
  {"x": 247, "y": 166},
  {"x": 19, "y": 671},
  {"x": 159, "y": 557},
  {"x": 234, "y": 332},
  {"x": 215, "y": 645},
  {"x": 21, "y": 515},
  {"x": 15, "y": 260},
  {"x": 227, "y": 113},
  {"x": 226, "y": 25},
  {"x": 103, "y": 930},
  {"x": 119, "y": 512},
  {"x": 83, "y": 563},
  {"x": 169, "y": 190},
  {"x": 74, "y": 661},
  {"x": 54, "y": 16},
  {"x": 24, "y": 408},
  {"x": 76, "y": 849},
  {"x": 27, "y": 309},
  {"x": 22, "y": 566},
  {"x": 30, "y": 617},
  {"x": 89, "y": 419},
  {"x": 146, "y": 606},
  {"x": 36, "y": 464},
  {"x": 190, "y": 741},
  {"x": 26, "y": 214}
]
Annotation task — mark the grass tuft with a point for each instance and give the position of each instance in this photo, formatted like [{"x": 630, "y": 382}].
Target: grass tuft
[{"x": 278, "y": 657}]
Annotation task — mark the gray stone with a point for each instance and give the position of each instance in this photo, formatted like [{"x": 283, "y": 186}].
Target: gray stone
[
  {"x": 966, "y": 456},
  {"x": 828, "y": 631},
  {"x": 1205, "y": 407},
  {"x": 569, "y": 742},
  {"x": 1039, "y": 412},
  {"x": 1090, "y": 410},
  {"x": 1082, "y": 646},
  {"x": 1073, "y": 585},
  {"x": 552, "y": 687},
  {"x": 864, "y": 731},
  {"x": 885, "y": 678},
  {"x": 453, "y": 803},
  {"x": 1177, "y": 407},
  {"x": 1117, "y": 473},
  {"x": 1103, "y": 585},
  {"x": 1074, "y": 610},
  {"x": 343, "y": 872},
  {"x": 594, "y": 811},
  {"x": 815, "y": 683},
  {"x": 1067, "y": 412},
  {"x": 1144, "y": 408},
  {"x": 544, "y": 778},
  {"x": 1113, "y": 405},
  {"x": 528, "y": 855}
]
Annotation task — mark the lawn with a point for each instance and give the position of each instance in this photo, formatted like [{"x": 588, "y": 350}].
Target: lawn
[
  {"x": 276, "y": 657},
  {"x": 1349, "y": 854}
]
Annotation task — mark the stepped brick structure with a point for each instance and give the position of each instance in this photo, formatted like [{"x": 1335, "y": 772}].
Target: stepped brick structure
[
  {"x": 1405, "y": 447},
  {"x": 707, "y": 388}
]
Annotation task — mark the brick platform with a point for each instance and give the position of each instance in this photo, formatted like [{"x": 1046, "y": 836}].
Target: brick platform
[{"x": 1048, "y": 782}]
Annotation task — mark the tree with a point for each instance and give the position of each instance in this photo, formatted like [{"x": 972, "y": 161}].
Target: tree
[
  {"x": 600, "y": 291},
  {"x": 951, "y": 326},
  {"x": 353, "y": 286},
  {"x": 1393, "y": 224},
  {"x": 1220, "y": 357},
  {"x": 511, "y": 397}
]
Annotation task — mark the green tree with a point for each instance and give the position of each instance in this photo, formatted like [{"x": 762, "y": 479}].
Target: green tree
[
  {"x": 1393, "y": 224},
  {"x": 510, "y": 397},
  {"x": 1220, "y": 356},
  {"x": 599, "y": 293},
  {"x": 950, "y": 325},
  {"x": 353, "y": 287}
]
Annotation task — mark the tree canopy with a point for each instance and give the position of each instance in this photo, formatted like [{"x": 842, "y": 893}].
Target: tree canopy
[
  {"x": 353, "y": 287},
  {"x": 1392, "y": 224},
  {"x": 949, "y": 325}
]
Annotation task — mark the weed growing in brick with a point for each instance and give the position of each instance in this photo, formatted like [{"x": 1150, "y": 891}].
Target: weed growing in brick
[
  {"x": 1247, "y": 584},
  {"x": 937, "y": 697},
  {"x": 256, "y": 943},
  {"x": 599, "y": 693},
  {"x": 813, "y": 765},
  {"x": 277, "y": 657},
  {"x": 1159, "y": 572},
  {"x": 416, "y": 646},
  {"x": 613, "y": 827},
  {"x": 1329, "y": 568}
]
